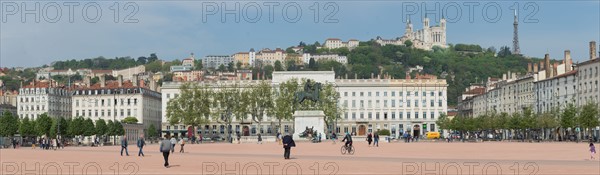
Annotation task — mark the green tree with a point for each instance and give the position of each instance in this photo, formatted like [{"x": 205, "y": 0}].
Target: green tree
[
  {"x": 27, "y": 127},
  {"x": 119, "y": 130},
  {"x": 191, "y": 107},
  {"x": 9, "y": 124},
  {"x": 569, "y": 117},
  {"x": 284, "y": 106},
  {"x": 329, "y": 99},
  {"x": 53, "y": 128},
  {"x": 238, "y": 65},
  {"x": 221, "y": 68},
  {"x": 443, "y": 122},
  {"x": 152, "y": 131},
  {"x": 43, "y": 124},
  {"x": 312, "y": 64},
  {"x": 261, "y": 103},
  {"x": 278, "y": 66},
  {"x": 225, "y": 105},
  {"x": 110, "y": 128},
  {"x": 89, "y": 129},
  {"x": 588, "y": 118},
  {"x": 77, "y": 126},
  {"x": 101, "y": 128},
  {"x": 130, "y": 120},
  {"x": 230, "y": 67}
]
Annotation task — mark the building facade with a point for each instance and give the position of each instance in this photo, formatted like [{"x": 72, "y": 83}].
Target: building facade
[
  {"x": 116, "y": 100},
  {"x": 334, "y": 43},
  {"x": 399, "y": 105},
  {"x": 317, "y": 57},
  {"x": 214, "y": 61},
  {"x": 38, "y": 98}
]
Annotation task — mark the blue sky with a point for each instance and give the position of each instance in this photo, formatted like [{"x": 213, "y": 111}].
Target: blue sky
[{"x": 174, "y": 29}]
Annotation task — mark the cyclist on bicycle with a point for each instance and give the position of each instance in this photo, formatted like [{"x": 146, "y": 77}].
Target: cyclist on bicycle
[{"x": 348, "y": 139}]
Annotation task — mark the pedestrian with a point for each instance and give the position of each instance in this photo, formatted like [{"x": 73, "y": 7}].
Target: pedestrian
[
  {"x": 33, "y": 144},
  {"x": 319, "y": 136},
  {"x": 259, "y": 139},
  {"x": 333, "y": 137},
  {"x": 181, "y": 143},
  {"x": 200, "y": 138},
  {"x": 376, "y": 139},
  {"x": 288, "y": 143},
  {"x": 238, "y": 137},
  {"x": 14, "y": 143},
  {"x": 592, "y": 150},
  {"x": 165, "y": 147},
  {"x": 54, "y": 144},
  {"x": 369, "y": 138},
  {"x": 124, "y": 146},
  {"x": 173, "y": 142},
  {"x": 140, "y": 144}
]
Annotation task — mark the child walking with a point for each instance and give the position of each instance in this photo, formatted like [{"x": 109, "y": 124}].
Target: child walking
[{"x": 592, "y": 150}]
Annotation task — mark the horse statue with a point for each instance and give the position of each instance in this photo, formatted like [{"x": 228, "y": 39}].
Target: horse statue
[
  {"x": 310, "y": 92},
  {"x": 307, "y": 132}
]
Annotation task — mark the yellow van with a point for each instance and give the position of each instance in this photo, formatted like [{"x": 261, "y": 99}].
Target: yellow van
[{"x": 432, "y": 135}]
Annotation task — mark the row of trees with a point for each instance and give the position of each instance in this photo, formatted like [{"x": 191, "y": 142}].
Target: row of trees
[
  {"x": 527, "y": 123},
  {"x": 198, "y": 105},
  {"x": 67, "y": 128}
]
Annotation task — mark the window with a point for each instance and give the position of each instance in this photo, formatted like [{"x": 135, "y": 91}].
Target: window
[
  {"x": 424, "y": 115},
  {"x": 393, "y": 103},
  {"x": 432, "y": 115},
  {"x": 362, "y": 103},
  {"x": 286, "y": 128},
  {"x": 362, "y": 115},
  {"x": 346, "y": 115},
  {"x": 345, "y": 94},
  {"x": 370, "y": 115},
  {"x": 424, "y": 103},
  {"x": 128, "y": 112},
  {"x": 76, "y": 113},
  {"x": 393, "y": 93},
  {"x": 408, "y": 115},
  {"x": 440, "y": 93},
  {"x": 361, "y": 94},
  {"x": 353, "y": 103},
  {"x": 416, "y": 93},
  {"x": 369, "y": 94},
  {"x": 393, "y": 115},
  {"x": 109, "y": 112},
  {"x": 416, "y": 115},
  {"x": 122, "y": 112},
  {"x": 400, "y": 93},
  {"x": 432, "y": 94},
  {"x": 407, "y": 103},
  {"x": 424, "y": 94},
  {"x": 440, "y": 103},
  {"x": 102, "y": 113},
  {"x": 377, "y": 93},
  {"x": 377, "y": 115},
  {"x": 431, "y": 103},
  {"x": 354, "y": 94},
  {"x": 89, "y": 112},
  {"x": 353, "y": 115},
  {"x": 432, "y": 127},
  {"x": 416, "y": 103}
]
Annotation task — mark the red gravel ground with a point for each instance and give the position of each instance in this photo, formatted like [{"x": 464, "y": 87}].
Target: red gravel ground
[{"x": 312, "y": 158}]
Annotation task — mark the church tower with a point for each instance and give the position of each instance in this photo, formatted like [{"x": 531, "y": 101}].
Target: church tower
[
  {"x": 426, "y": 36},
  {"x": 409, "y": 29}
]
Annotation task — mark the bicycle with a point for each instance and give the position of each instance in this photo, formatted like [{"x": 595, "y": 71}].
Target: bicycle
[{"x": 347, "y": 149}]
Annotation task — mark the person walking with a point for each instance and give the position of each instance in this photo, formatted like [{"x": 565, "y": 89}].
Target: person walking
[
  {"x": 54, "y": 144},
  {"x": 592, "y": 150},
  {"x": 259, "y": 139},
  {"x": 333, "y": 137},
  {"x": 124, "y": 146},
  {"x": 173, "y": 142},
  {"x": 369, "y": 138},
  {"x": 181, "y": 143},
  {"x": 237, "y": 134},
  {"x": 376, "y": 139},
  {"x": 140, "y": 144},
  {"x": 288, "y": 143},
  {"x": 165, "y": 147},
  {"x": 14, "y": 143}
]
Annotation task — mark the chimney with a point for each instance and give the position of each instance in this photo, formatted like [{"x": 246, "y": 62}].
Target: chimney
[
  {"x": 542, "y": 66},
  {"x": 87, "y": 81},
  {"x": 529, "y": 67},
  {"x": 102, "y": 81},
  {"x": 509, "y": 75},
  {"x": 592, "y": 50},
  {"x": 372, "y": 75},
  {"x": 535, "y": 68},
  {"x": 346, "y": 76},
  {"x": 555, "y": 69},
  {"x": 152, "y": 85},
  {"x": 567, "y": 61},
  {"x": 514, "y": 75},
  {"x": 355, "y": 76},
  {"x": 142, "y": 83},
  {"x": 120, "y": 80},
  {"x": 547, "y": 65},
  {"x": 503, "y": 76},
  {"x": 134, "y": 82}
]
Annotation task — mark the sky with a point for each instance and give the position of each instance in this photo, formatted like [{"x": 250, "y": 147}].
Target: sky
[{"x": 174, "y": 29}]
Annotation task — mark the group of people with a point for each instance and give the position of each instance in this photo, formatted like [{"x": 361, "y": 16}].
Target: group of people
[
  {"x": 374, "y": 138},
  {"x": 47, "y": 143}
]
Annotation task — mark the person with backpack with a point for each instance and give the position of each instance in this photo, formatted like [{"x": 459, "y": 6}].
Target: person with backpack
[{"x": 140, "y": 144}]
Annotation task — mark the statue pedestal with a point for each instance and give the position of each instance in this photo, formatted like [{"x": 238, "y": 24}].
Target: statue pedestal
[{"x": 310, "y": 119}]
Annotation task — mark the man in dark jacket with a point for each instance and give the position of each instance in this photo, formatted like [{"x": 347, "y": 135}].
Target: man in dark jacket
[
  {"x": 140, "y": 143},
  {"x": 288, "y": 143},
  {"x": 124, "y": 146},
  {"x": 165, "y": 147}
]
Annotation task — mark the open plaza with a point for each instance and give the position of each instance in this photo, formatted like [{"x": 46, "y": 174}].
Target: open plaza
[{"x": 423, "y": 157}]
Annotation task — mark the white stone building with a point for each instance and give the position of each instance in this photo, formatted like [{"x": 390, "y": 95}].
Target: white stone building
[
  {"x": 334, "y": 57},
  {"x": 115, "y": 100},
  {"x": 426, "y": 38},
  {"x": 588, "y": 78},
  {"x": 369, "y": 104},
  {"x": 43, "y": 97},
  {"x": 214, "y": 61},
  {"x": 334, "y": 43}
]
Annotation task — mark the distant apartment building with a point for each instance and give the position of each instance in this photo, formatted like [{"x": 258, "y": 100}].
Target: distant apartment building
[
  {"x": 43, "y": 97},
  {"x": 588, "y": 78},
  {"x": 214, "y": 61},
  {"x": 115, "y": 100},
  {"x": 318, "y": 57},
  {"x": 129, "y": 73},
  {"x": 269, "y": 57},
  {"x": 246, "y": 58},
  {"x": 187, "y": 64},
  {"x": 334, "y": 43}
]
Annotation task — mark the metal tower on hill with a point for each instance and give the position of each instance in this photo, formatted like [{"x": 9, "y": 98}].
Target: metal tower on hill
[{"x": 516, "y": 49}]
